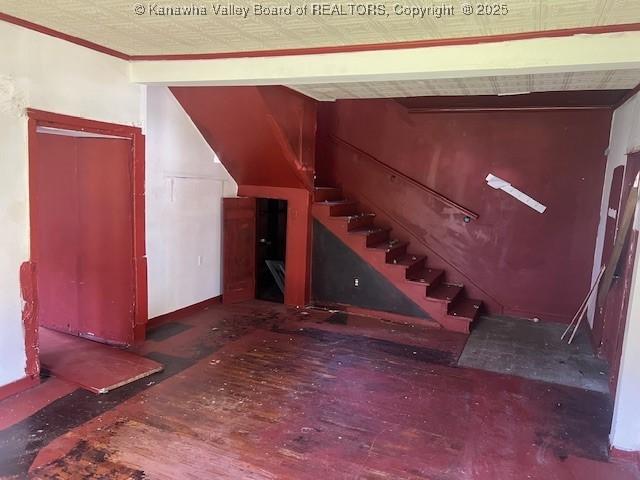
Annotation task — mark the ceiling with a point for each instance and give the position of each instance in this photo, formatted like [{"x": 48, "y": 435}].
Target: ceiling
[
  {"x": 115, "y": 25},
  {"x": 503, "y": 85}
]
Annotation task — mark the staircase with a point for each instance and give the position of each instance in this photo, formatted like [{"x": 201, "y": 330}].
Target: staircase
[{"x": 444, "y": 302}]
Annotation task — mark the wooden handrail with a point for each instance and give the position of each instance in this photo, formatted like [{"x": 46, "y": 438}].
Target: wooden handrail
[{"x": 438, "y": 196}]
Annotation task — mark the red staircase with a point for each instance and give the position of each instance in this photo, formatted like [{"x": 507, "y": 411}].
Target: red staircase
[{"x": 444, "y": 302}]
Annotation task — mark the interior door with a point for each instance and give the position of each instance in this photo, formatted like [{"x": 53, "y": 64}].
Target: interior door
[
  {"x": 613, "y": 212},
  {"x": 617, "y": 299},
  {"x": 83, "y": 228},
  {"x": 105, "y": 287},
  {"x": 56, "y": 229},
  {"x": 239, "y": 249}
]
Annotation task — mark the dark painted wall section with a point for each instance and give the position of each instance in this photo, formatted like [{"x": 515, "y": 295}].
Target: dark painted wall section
[
  {"x": 334, "y": 267},
  {"x": 514, "y": 258}
]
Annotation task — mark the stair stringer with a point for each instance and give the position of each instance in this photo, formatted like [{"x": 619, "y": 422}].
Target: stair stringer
[{"x": 437, "y": 309}]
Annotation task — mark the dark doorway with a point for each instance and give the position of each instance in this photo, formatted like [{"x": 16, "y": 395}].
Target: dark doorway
[{"x": 271, "y": 247}]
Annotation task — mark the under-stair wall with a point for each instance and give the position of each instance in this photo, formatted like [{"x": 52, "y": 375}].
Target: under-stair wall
[{"x": 517, "y": 261}]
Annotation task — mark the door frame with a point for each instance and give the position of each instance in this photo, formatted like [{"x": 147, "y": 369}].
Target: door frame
[
  {"x": 29, "y": 270},
  {"x": 298, "y": 249}
]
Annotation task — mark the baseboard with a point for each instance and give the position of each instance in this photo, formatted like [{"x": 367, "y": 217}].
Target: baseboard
[
  {"x": 183, "y": 312},
  {"x": 365, "y": 312},
  {"x": 18, "y": 386},
  {"x": 625, "y": 455}
]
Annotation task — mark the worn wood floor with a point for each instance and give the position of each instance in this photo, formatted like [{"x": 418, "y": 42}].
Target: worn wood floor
[{"x": 258, "y": 391}]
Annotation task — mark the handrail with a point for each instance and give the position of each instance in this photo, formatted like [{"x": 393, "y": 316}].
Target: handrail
[{"x": 438, "y": 196}]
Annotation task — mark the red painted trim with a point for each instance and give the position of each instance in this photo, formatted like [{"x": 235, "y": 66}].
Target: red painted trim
[
  {"x": 139, "y": 262},
  {"x": 298, "y": 254},
  {"x": 29, "y": 294},
  {"x": 440, "y": 42},
  {"x": 367, "y": 47},
  {"x": 63, "y": 36},
  {"x": 626, "y": 456},
  {"x": 184, "y": 312},
  {"x": 18, "y": 386}
]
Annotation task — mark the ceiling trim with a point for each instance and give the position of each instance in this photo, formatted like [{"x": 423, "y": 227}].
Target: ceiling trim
[
  {"x": 63, "y": 36},
  {"x": 410, "y": 44},
  {"x": 566, "y": 32}
]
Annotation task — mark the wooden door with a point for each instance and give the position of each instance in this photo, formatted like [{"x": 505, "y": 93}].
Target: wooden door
[
  {"x": 239, "y": 249},
  {"x": 105, "y": 288},
  {"x": 83, "y": 229},
  {"x": 617, "y": 300},
  {"x": 55, "y": 230},
  {"x": 613, "y": 212}
]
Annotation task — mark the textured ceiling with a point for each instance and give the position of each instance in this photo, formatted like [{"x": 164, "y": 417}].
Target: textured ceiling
[
  {"x": 515, "y": 84},
  {"x": 114, "y": 23}
]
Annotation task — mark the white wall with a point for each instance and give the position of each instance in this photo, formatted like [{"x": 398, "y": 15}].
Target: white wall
[
  {"x": 185, "y": 185},
  {"x": 42, "y": 72},
  {"x": 625, "y": 431}
]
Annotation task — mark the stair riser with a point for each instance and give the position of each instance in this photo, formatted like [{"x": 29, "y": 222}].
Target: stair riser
[
  {"x": 409, "y": 269},
  {"x": 377, "y": 237},
  {"x": 331, "y": 194},
  {"x": 343, "y": 210},
  {"x": 395, "y": 252},
  {"x": 360, "y": 222}
]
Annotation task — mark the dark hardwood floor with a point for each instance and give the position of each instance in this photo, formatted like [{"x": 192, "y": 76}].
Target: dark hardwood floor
[{"x": 259, "y": 391}]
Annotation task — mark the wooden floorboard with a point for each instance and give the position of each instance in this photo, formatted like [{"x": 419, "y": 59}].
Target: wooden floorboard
[{"x": 257, "y": 391}]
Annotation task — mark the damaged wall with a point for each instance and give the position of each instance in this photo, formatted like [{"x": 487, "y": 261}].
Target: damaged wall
[{"x": 45, "y": 73}]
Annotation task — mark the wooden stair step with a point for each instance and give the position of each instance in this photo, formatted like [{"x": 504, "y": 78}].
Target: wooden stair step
[
  {"x": 375, "y": 235},
  {"x": 445, "y": 292},
  {"x": 467, "y": 308},
  {"x": 341, "y": 208},
  {"x": 321, "y": 194},
  {"x": 392, "y": 248},
  {"x": 360, "y": 220},
  {"x": 427, "y": 276},
  {"x": 410, "y": 261}
]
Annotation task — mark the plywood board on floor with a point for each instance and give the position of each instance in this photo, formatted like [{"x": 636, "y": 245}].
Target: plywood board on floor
[{"x": 91, "y": 365}]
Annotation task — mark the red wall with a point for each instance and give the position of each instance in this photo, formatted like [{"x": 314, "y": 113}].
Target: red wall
[
  {"x": 517, "y": 260},
  {"x": 262, "y": 135}
]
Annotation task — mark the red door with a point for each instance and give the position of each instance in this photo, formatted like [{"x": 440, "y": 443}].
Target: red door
[
  {"x": 617, "y": 300},
  {"x": 239, "y": 249},
  {"x": 83, "y": 226},
  {"x": 609, "y": 238}
]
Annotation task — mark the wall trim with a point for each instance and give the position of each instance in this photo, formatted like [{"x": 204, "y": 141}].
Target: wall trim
[
  {"x": 409, "y": 44},
  {"x": 379, "y": 314},
  {"x": 184, "y": 311},
  {"x": 18, "y": 386}
]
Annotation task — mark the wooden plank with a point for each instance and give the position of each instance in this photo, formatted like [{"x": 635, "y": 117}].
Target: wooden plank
[{"x": 91, "y": 365}]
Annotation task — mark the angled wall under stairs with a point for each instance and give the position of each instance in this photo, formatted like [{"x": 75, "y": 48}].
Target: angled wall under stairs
[{"x": 445, "y": 303}]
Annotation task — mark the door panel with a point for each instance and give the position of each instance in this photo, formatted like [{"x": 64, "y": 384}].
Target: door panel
[
  {"x": 617, "y": 300},
  {"x": 55, "y": 181},
  {"x": 609, "y": 238},
  {"x": 83, "y": 228},
  {"x": 239, "y": 249},
  {"x": 106, "y": 290}
]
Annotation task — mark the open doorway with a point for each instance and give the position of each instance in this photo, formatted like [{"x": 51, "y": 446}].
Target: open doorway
[
  {"x": 271, "y": 247},
  {"x": 87, "y": 241}
]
